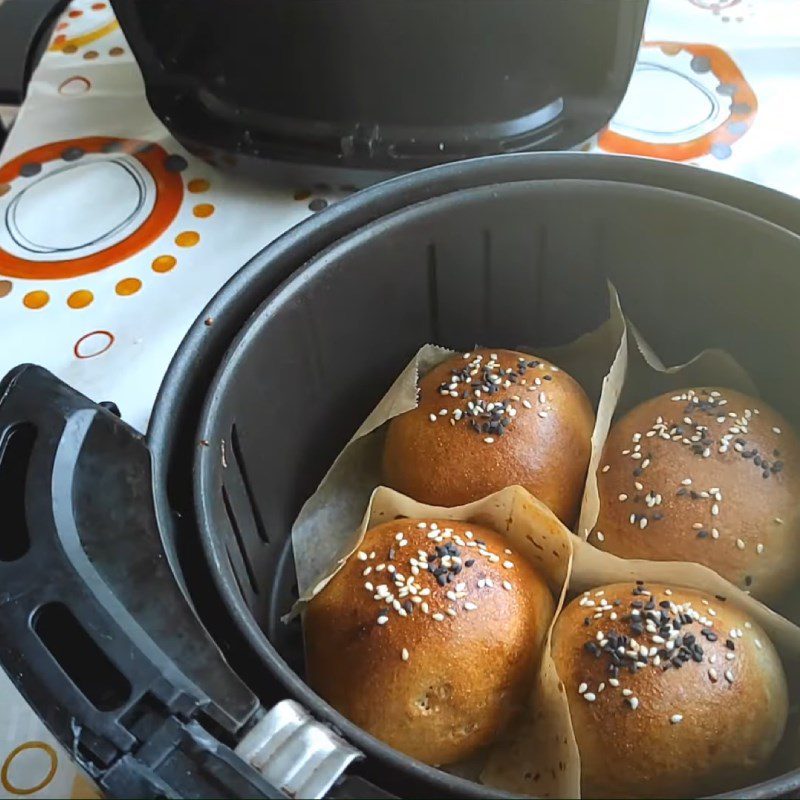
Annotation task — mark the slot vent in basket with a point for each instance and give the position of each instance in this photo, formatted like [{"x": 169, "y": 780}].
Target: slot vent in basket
[
  {"x": 248, "y": 487},
  {"x": 239, "y": 541}
]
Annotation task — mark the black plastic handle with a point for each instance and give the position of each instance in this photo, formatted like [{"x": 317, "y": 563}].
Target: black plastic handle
[
  {"x": 94, "y": 630},
  {"x": 23, "y": 28}
]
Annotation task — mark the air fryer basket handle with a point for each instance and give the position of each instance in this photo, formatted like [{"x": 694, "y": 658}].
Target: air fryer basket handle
[{"x": 94, "y": 631}]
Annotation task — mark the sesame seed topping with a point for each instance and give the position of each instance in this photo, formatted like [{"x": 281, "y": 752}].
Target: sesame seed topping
[
  {"x": 740, "y": 544},
  {"x": 623, "y": 498},
  {"x": 470, "y": 606},
  {"x": 507, "y": 586},
  {"x": 729, "y": 676},
  {"x": 362, "y": 556},
  {"x": 776, "y": 430},
  {"x": 606, "y": 468},
  {"x": 600, "y": 536},
  {"x": 759, "y": 548},
  {"x": 404, "y": 654},
  {"x": 633, "y": 702},
  {"x": 508, "y": 564},
  {"x": 590, "y": 697},
  {"x": 582, "y": 688},
  {"x": 489, "y": 440},
  {"x": 676, "y": 718}
]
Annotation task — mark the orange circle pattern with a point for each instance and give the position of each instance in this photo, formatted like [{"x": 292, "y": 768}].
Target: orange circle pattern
[
  {"x": 128, "y": 286},
  {"x": 90, "y": 55},
  {"x": 36, "y": 299},
  {"x": 15, "y": 790},
  {"x": 169, "y": 194},
  {"x": 187, "y": 239},
  {"x": 80, "y": 299}
]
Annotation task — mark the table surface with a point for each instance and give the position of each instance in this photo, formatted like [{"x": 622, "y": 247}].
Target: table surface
[{"x": 106, "y": 259}]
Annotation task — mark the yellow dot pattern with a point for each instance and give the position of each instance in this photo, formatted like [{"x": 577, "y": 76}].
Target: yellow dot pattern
[
  {"x": 164, "y": 263},
  {"x": 128, "y": 286},
  {"x": 80, "y": 299},
  {"x": 35, "y": 300},
  {"x": 198, "y": 185},
  {"x": 203, "y": 210},
  {"x": 187, "y": 239}
]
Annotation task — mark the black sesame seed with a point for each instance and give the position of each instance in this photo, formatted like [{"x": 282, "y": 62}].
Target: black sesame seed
[
  {"x": 665, "y": 604},
  {"x": 702, "y": 534},
  {"x": 591, "y": 647},
  {"x": 748, "y": 580},
  {"x": 441, "y": 579},
  {"x": 720, "y": 597},
  {"x": 469, "y": 562},
  {"x": 682, "y": 491},
  {"x": 637, "y": 472}
]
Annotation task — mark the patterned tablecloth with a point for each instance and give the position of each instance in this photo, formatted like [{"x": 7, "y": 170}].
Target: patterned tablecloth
[{"x": 108, "y": 251}]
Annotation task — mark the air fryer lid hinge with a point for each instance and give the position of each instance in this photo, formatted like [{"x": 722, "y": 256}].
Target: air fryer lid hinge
[{"x": 94, "y": 630}]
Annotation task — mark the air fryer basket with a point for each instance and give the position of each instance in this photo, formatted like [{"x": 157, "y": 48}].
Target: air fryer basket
[
  {"x": 138, "y": 538},
  {"x": 501, "y": 265}
]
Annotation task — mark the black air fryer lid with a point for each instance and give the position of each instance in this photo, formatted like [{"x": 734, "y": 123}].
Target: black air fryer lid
[{"x": 392, "y": 85}]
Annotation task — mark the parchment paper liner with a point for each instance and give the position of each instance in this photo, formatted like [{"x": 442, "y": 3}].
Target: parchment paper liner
[
  {"x": 513, "y": 762},
  {"x": 638, "y": 374},
  {"x": 323, "y": 533},
  {"x": 538, "y": 754}
]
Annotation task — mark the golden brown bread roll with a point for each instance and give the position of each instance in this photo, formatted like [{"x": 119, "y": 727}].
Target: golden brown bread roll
[
  {"x": 701, "y": 712},
  {"x": 428, "y": 636},
  {"x": 704, "y": 475},
  {"x": 491, "y": 419}
]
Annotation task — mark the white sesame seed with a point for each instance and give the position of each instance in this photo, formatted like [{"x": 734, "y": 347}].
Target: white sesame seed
[
  {"x": 730, "y": 656},
  {"x": 643, "y": 523},
  {"x": 740, "y": 544},
  {"x": 382, "y": 620},
  {"x": 623, "y": 497},
  {"x": 627, "y": 692},
  {"x": 600, "y": 536},
  {"x": 362, "y": 556},
  {"x": 613, "y": 682},
  {"x": 470, "y": 606},
  {"x": 776, "y": 430},
  {"x": 438, "y": 617},
  {"x": 757, "y": 643},
  {"x": 676, "y": 718},
  {"x": 507, "y": 586},
  {"x": 686, "y": 482},
  {"x": 606, "y": 468},
  {"x": 633, "y": 702},
  {"x": 369, "y": 587},
  {"x": 590, "y": 697},
  {"x": 759, "y": 548},
  {"x": 432, "y": 417},
  {"x": 582, "y": 688},
  {"x": 508, "y": 564},
  {"x": 489, "y": 440},
  {"x": 404, "y": 654},
  {"x": 489, "y": 583},
  {"x": 451, "y": 612},
  {"x": 542, "y": 414},
  {"x": 714, "y": 510},
  {"x": 729, "y": 676},
  {"x": 638, "y": 486},
  {"x": 600, "y": 688},
  {"x": 697, "y": 526}
]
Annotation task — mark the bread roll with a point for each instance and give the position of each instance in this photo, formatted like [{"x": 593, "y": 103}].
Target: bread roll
[
  {"x": 672, "y": 693},
  {"x": 491, "y": 419},
  {"x": 428, "y": 636},
  {"x": 705, "y": 475}
]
